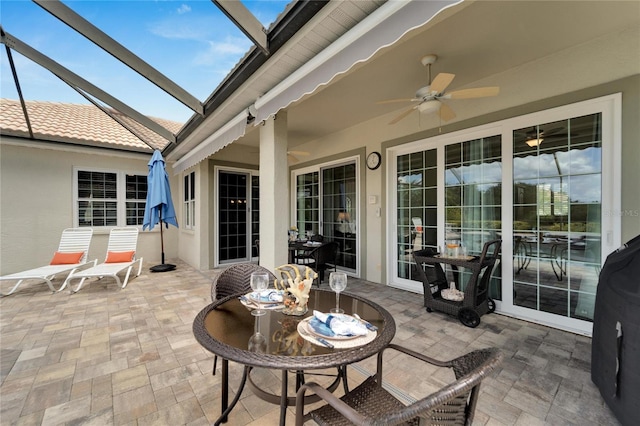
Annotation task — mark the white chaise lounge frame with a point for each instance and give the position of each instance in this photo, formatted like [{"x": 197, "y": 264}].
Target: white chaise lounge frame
[
  {"x": 72, "y": 240},
  {"x": 120, "y": 240}
]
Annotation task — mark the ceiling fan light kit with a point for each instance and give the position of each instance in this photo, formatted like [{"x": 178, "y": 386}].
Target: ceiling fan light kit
[
  {"x": 534, "y": 142},
  {"x": 429, "y": 106},
  {"x": 430, "y": 97}
]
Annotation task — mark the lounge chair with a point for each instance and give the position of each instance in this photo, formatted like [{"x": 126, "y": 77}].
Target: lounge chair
[
  {"x": 121, "y": 256},
  {"x": 71, "y": 255}
]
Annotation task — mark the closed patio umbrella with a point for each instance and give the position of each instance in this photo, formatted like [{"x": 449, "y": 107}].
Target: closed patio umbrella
[{"x": 159, "y": 207}]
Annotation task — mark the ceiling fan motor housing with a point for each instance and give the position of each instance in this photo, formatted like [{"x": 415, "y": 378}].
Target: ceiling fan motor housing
[{"x": 424, "y": 93}]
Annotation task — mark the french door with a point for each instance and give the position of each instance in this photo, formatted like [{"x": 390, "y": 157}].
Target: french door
[
  {"x": 326, "y": 203},
  {"x": 544, "y": 183},
  {"x": 238, "y": 212}
]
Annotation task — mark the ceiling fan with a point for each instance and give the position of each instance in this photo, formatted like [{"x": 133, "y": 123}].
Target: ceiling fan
[{"x": 429, "y": 98}]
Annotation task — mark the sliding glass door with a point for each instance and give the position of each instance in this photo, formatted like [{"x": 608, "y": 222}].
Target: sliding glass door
[
  {"x": 546, "y": 184},
  {"x": 557, "y": 211},
  {"x": 326, "y": 203}
]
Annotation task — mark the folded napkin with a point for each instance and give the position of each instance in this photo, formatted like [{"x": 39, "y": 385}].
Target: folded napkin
[{"x": 336, "y": 325}]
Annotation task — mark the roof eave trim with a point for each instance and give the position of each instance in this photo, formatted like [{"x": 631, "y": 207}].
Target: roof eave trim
[
  {"x": 230, "y": 132},
  {"x": 384, "y": 27}
]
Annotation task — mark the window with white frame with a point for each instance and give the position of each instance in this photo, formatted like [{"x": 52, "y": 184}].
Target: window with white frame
[
  {"x": 109, "y": 198},
  {"x": 190, "y": 200}
]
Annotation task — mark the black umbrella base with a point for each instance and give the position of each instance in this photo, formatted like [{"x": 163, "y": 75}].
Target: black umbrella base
[{"x": 165, "y": 267}]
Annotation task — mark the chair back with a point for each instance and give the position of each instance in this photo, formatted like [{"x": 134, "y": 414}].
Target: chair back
[
  {"x": 123, "y": 239},
  {"x": 459, "y": 399},
  {"x": 327, "y": 254},
  {"x": 74, "y": 240},
  {"x": 236, "y": 279}
]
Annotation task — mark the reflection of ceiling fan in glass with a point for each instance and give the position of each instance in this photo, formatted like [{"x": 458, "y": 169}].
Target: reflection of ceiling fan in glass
[
  {"x": 429, "y": 98},
  {"x": 536, "y": 135}
]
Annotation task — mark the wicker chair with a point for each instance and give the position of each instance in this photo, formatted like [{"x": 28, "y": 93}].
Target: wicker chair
[
  {"x": 235, "y": 279},
  {"x": 371, "y": 404},
  {"x": 324, "y": 258}
]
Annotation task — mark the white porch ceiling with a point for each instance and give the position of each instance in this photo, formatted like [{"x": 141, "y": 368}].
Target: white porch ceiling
[{"x": 474, "y": 40}]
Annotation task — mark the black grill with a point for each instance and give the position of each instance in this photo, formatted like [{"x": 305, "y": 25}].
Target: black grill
[{"x": 615, "y": 351}]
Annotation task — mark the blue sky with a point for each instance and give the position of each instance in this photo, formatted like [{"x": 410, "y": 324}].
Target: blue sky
[{"x": 191, "y": 42}]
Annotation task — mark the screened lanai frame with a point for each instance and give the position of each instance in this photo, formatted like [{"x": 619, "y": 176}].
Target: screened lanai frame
[
  {"x": 266, "y": 42},
  {"x": 610, "y": 109}
]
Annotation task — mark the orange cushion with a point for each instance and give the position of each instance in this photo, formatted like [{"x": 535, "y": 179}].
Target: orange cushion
[
  {"x": 60, "y": 258},
  {"x": 119, "y": 256}
]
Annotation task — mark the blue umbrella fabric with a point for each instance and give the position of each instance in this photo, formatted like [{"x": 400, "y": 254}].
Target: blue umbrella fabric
[{"x": 159, "y": 207}]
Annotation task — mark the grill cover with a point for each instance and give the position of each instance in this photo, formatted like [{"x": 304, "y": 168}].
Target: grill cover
[{"x": 615, "y": 350}]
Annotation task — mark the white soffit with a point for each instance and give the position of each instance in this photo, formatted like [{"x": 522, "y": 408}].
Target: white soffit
[
  {"x": 382, "y": 28},
  {"x": 230, "y": 132}
]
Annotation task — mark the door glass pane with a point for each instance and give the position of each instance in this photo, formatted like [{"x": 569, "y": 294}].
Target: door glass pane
[
  {"x": 340, "y": 210},
  {"x": 255, "y": 214},
  {"x": 232, "y": 209},
  {"x": 417, "y": 208},
  {"x": 473, "y": 191},
  {"x": 307, "y": 203},
  {"x": 557, "y": 184}
]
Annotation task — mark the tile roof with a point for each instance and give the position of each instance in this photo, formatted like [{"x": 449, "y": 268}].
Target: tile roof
[{"x": 79, "y": 124}]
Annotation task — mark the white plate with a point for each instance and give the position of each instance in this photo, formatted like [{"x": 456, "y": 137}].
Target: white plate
[{"x": 305, "y": 323}]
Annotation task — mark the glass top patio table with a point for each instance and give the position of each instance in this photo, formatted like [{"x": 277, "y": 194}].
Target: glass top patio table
[{"x": 225, "y": 327}]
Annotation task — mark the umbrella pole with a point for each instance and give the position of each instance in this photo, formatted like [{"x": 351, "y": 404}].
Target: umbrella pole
[
  {"x": 161, "y": 238},
  {"x": 164, "y": 267}
]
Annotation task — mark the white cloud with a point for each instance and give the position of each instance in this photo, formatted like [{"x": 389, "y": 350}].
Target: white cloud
[
  {"x": 221, "y": 51},
  {"x": 184, "y": 8}
]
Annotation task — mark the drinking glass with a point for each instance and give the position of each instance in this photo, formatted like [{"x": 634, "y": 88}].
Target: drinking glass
[
  {"x": 452, "y": 246},
  {"x": 257, "y": 341},
  {"x": 259, "y": 281},
  {"x": 337, "y": 282}
]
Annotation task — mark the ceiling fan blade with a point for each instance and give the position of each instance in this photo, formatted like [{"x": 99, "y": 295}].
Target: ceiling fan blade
[
  {"x": 446, "y": 113},
  {"x": 478, "y": 92},
  {"x": 441, "y": 82},
  {"x": 292, "y": 159},
  {"x": 393, "y": 101},
  {"x": 302, "y": 153},
  {"x": 402, "y": 115}
]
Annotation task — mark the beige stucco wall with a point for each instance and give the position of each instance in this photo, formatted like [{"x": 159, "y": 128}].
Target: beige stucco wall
[{"x": 36, "y": 202}]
